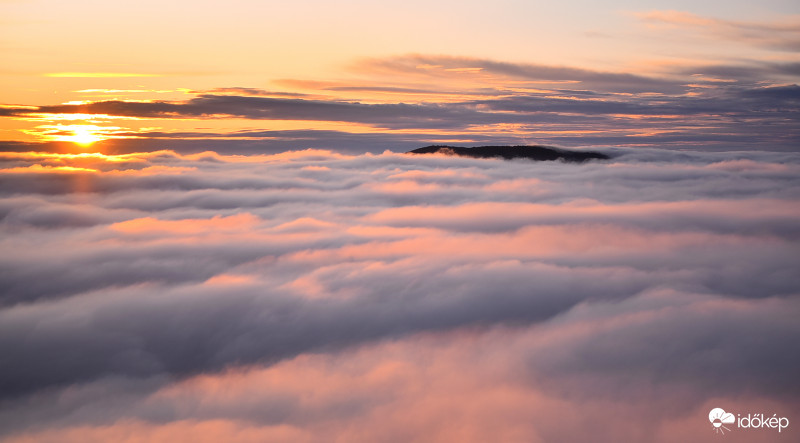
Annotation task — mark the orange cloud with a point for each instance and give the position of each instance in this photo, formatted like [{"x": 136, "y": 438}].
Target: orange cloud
[
  {"x": 38, "y": 168},
  {"x": 230, "y": 279},
  {"x": 150, "y": 225}
]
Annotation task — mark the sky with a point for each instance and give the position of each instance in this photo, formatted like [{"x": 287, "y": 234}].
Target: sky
[
  {"x": 210, "y": 229},
  {"x": 250, "y": 76}
]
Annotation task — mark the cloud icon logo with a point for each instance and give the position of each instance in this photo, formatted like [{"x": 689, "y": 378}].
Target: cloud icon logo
[{"x": 719, "y": 418}]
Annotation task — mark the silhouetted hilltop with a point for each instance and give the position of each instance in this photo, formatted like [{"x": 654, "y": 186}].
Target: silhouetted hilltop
[{"x": 538, "y": 153}]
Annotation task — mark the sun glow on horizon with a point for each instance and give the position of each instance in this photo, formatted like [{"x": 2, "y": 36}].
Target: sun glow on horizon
[
  {"x": 84, "y": 137},
  {"x": 81, "y": 135}
]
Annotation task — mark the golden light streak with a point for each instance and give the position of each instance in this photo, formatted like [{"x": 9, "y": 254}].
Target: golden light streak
[
  {"x": 2, "y": 106},
  {"x": 82, "y": 135},
  {"x": 144, "y": 156},
  {"x": 135, "y": 157},
  {"x": 118, "y": 91},
  {"x": 97, "y": 75},
  {"x": 36, "y": 116},
  {"x": 40, "y": 168}
]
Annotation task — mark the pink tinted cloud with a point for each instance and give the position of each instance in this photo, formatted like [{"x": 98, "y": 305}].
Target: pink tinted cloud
[
  {"x": 238, "y": 222},
  {"x": 595, "y": 240},
  {"x": 314, "y": 297},
  {"x": 475, "y": 384},
  {"x": 484, "y": 215},
  {"x": 136, "y": 431},
  {"x": 782, "y": 34}
]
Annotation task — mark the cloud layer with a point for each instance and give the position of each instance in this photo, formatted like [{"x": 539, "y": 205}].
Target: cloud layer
[
  {"x": 311, "y": 294},
  {"x": 403, "y": 102}
]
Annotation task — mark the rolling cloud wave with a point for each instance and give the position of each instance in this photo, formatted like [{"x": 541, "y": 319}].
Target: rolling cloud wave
[{"x": 385, "y": 282}]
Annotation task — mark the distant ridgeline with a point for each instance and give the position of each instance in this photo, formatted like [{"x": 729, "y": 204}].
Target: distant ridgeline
[{"x": 538, "y": 153}]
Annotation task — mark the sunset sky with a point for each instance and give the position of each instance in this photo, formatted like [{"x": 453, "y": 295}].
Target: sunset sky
[
  {"x": 367, "y": 76},
  {"x": 210, "y": 230}
]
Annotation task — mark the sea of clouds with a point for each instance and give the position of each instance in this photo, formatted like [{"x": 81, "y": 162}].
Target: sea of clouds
[{"x": 319, "y": 296}]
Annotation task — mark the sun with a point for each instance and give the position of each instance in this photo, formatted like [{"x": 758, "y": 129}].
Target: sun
[{"x": 83, "y": 136}]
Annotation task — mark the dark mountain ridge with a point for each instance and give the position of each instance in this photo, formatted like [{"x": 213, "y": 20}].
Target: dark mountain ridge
[{"x": 538, "y": 153}]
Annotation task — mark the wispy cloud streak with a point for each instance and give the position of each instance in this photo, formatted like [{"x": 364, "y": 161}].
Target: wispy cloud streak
[{"x": 779, "y": 34}]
